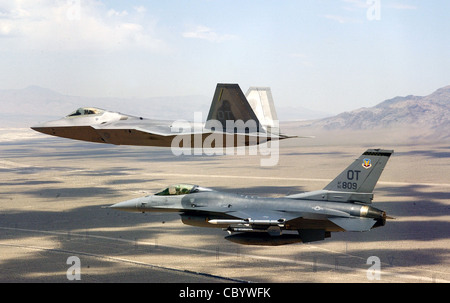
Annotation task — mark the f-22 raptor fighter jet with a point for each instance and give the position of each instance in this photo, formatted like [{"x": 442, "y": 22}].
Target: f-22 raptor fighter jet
[
  {"x": 306, "y": 217},
  {"x": 232, "y": 121}
]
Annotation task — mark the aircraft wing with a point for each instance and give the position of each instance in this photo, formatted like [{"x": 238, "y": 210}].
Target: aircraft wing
[
  {"x": 121, "y": 133},
  {"x": 145, "y": 132},
  {"x": 340, "y": 218},
  {"x": 147, "y": 126},
  {"x": 288, "y": 215}
]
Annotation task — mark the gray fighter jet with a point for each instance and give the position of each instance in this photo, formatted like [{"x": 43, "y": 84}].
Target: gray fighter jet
[
  {"x": 343, "y": 205},
  {"x": 231, "y": 122}
]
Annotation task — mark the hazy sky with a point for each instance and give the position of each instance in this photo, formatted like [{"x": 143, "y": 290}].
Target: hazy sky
[{"x": 328, "y": 55}]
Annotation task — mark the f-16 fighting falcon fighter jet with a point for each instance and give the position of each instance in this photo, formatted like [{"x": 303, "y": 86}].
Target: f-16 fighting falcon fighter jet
[
  {"x": 343, "y": 205},
  {"x": 231, "y": 119}
]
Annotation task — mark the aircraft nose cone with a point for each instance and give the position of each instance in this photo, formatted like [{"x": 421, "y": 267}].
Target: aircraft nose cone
[
  {"x": 129, "y": 205},
  {"x": 42, "y": 128},
  {"x": 47, "y": 127},
  {"x": 38, "y": 126}
]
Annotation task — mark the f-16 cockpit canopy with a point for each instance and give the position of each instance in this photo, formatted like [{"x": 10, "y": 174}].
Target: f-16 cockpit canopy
[
  {"x": 181, "y": 189},
  {"x": 83, "y": 111}
]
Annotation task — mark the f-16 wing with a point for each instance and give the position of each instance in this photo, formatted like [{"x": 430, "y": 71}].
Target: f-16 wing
[{"x": 280, "y": 218}]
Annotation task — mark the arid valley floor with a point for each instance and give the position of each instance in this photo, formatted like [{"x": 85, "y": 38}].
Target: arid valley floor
[{"x": 53, "y": 194}]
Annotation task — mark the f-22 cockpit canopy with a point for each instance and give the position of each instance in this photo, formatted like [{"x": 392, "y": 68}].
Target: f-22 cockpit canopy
[
  {"x": 83, "y": 111},
  {"x": 181, "y": 189}
]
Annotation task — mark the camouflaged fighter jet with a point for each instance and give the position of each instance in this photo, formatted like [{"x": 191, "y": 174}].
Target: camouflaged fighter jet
[
  {"x": 342, "y": 205},
  {"x": 231, "y": 119}
]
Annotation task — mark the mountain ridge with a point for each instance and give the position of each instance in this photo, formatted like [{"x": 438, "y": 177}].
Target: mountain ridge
[{"x": 430, "y": 111}]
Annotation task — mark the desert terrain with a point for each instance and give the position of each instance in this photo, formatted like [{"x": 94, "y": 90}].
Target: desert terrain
[{"x": 54, "y": 195}]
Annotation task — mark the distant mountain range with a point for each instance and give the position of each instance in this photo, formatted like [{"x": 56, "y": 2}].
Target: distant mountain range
[
  {"x": 410, "y": 118},
  {"x": 432, "y": 111}
]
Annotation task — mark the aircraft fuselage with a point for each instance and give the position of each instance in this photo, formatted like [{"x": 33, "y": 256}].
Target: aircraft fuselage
[{"x": 219, "y": 210}]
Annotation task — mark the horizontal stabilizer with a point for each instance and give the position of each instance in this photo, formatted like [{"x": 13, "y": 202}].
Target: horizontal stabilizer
[{"x": 354, "y": 224}]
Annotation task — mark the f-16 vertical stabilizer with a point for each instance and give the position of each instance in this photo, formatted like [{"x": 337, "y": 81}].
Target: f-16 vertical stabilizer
[
  {"x": 356, "y": 182},
  {"x": 363, "y": 174}
]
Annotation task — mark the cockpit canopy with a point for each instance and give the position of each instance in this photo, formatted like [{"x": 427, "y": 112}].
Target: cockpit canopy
[
  {"x": 181, "y": 189},
  {"x": 83, "y": 111}
]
